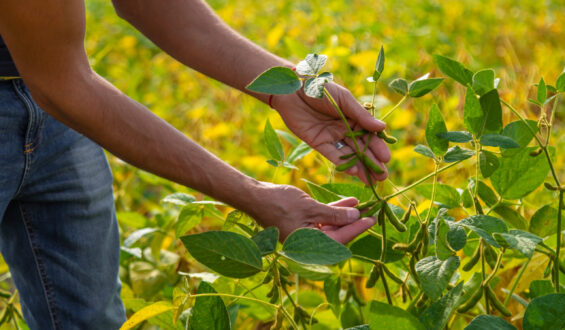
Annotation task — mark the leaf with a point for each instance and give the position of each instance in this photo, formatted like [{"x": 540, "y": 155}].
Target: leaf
[
  {"x": 136, "y": 235},
  {"x": 332, "y": 286},
  {"x": 520, "y": 174},
  {"x": 511, "y": 217},
  {"x": 545, "y": 312},
  {"x": 520, "y": 240},
  {"x": 542, "y": 91},
  {"x": 490, "y": 322},
  {"x": 519, "y": 132},
  {"x": 362, "y": 193},
  {"x": 485, "y": 226},
  {"x": 483, "y": 81},
  {"x": 299, "y": 152},
  {"x": 497, "y": 140},
  {"x": 233, "y": 217},
  {"x": 435, "y": 274},
  {"x": 273, "y": 143},
  {"x": 456, "y": 153},
  {"x": 379, "y": 65},
  {"x": 454, "y": 70},
  {"x": 485, "y": 193},
  {"x": 273, "y": 162},
  {"x": 370, "y": 247},
  {"x": 350, "y": 316},
  {"x": 445, "y": 194},
  {"x": 400, "y": 86},
  {"x": 492, "y": 113},
  {"x": 208, "y": 312},
  {"x": 385, "y": 316},
  {"x": 473, "y": 116},
  {"x": 439, "y": 233},
  {"x": 312, "y": 247},
  {"x": 456, "y": 136},
  {"x": 542, "y": 222},
  {"x": 437, "y": 315},
  {"x": 436, "y": 126},
  {"x": 419, "y": 88},
  {"x": 266, "y": 240},
  {"x": 322, "y": 194},
  {"x": 179, "y": 199},
  {"x": 560, "y": 84},
  {"x": 276, "y": 81},
  {"x": 311, "y": 272},
  {"x": 425, "y": 151},
  {"x": 540, "y": 288},
  {"x": 189, "y": 217},
  {"x": 314, "y": 87},
  {"x": 311, "y": 65},
  {"x": 146, "y": 313},
  {"x": 488, "y": 163},
  {"x": 227, "y": 253}
]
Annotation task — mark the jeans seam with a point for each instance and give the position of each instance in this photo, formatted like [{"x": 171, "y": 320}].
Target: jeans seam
[
  {"x": 29, "y": 108},
  {"x": 47, "y": 291}
]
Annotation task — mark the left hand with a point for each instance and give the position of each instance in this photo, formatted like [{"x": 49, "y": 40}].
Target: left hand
[{"x": 317, "y": 123}]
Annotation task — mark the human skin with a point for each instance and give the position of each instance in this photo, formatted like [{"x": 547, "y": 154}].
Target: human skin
[{"x": 46, "y": 40}]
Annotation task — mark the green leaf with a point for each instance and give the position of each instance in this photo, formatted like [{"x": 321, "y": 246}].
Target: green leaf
[
  {"x": 435, "y": 274},
  {"x": 542, "y": 222},
  {"x": 311, "y": 65},
  {"x": 560, "y": 84},
  {"x": 491, "y": 322},
  {"x": 322, "y": 194},
  {"x": 520, "y": 174},
  {"x": 419, "y": 88},
  {"x": 273, "y": 143},
  {"x": 454, "y": 70},
  {"x": 446, "y": 195},
  {"x": 488, "y": 163},
  {"x": 208, "y": 312},
  {"x": 138, "y": 234},
  {"x": 425, "y": 151},
  {"x": 314, "y": 87},
  {"x": 299, "y": 152},
  {"x": 545, "y": 313},
  {"x": 350, "y": 316},
  {"x": 179, "y": 199},
  {"x": 276, "y": 81},
  {"x": 473, "y": 116},
  {"x": 485, "y": 193},
  {"x": 312, "y": 247},
  {"x": 379, "y": 65},
  {"x": 332, "y": 287},
  {"x": 266, "y": 240},
  {"x": 540, "y": 288},
  {"x": 385, "y": 316},
  {"x": 311, "y": 272},
  {"x": 519, "y": 132},
  {"x": 189, "y": 217},
  {"x": 228, "y": 253},
  {"x": 483, "y": 81},
  {"x": 362, "y": 193},
  {"x": 456, "y": 153},
  {"x": 370, "y": 247},
  {"x": 146, "y": 313},
  {"x": 542, "y": 91},
  {"x": 511, "y": 217},
  {"x": 485, "y": 226},
  {"x": 492, "y": 113},
  {"x": 520, "y": 240},
  {"x": 497, "y": 140},
  {"x": 436, "y": 126},
  {"x": 456, "y": 136},
  {"x": 400, "y": 86},
  {"x": 437, "y": 315},
  {"x": 273, "y": 162},
  {"x": 233, "y": 217},
  {"x": 440, "y": 230}
]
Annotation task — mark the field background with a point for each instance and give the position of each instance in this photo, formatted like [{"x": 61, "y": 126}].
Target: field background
[{"x": 521, "y": 40}]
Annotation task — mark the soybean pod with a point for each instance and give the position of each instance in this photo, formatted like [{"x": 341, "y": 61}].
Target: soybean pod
[
  {"x": 473, "y": 260},
  {"x": 473, "y": 300},
  {"x": 393, "y": 219},
  {"x": 497, "y": 303},
  {"x": 373, "y": 277}
]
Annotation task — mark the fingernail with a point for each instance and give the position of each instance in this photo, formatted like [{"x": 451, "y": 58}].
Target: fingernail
[
  {"x": 353, "y": 214},
  {"x": 381, "y": 122}
]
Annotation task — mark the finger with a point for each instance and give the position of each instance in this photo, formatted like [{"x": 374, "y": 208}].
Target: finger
[
  {"x": 380, "y": 149},
  {"x": 361, "y": 169},
  {"x": 335, "y": 215},
  {"x": 333, "y": 154},
  {"x": 346, "y": 202},
  {"x": 346, "y": 233},
  {"x": 355, "y": 110}
]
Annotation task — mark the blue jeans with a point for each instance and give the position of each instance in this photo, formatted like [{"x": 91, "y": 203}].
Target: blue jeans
[{"x": 58, "y": 229}]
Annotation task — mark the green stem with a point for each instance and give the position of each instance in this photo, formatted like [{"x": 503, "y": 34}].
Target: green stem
[
  {"x": 477, "y": 150},
  {"x": 395, "y": 107},
  {"x": 289, "y": 318},
  {"x": 496, "y": 266},
  {"x": 403, "y": 190},
  {"x": 483, "y": 272},
  {"x": 494, "y": 206},
  {"x": 515, "y": 284},
  {"x": 558, "y": 243},
  {"x": 233, "y": 296},
  {"x": 385, "y": 285},
  {"x": 433, "y": 193},
  {"x": 357, "y": 149}
]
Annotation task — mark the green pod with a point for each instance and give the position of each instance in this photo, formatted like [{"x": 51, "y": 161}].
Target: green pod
[
  {"x": 347, "y": 156},
  {"x": 473, "y": 260},
  {"x": 355, "y": 134},
  {"x": 490, "y": 256},
  {"x": 267, "y": 278},
  {"x": 387, "y": 138},
  {"x": 400, "y": 247},
  {"x": 497, "y": 303},
  {"x": 478, "y": 207},
  {"x": 374, "y": 209},
  {"x": 373, "y": 277},
  {"x": 425, "y": 241},
  {"x": 272, "y": 291},
  {"x": 347, "y": 165},
  {"x": 367, "y": 204},
  {"x": 371, "y": 164},
  {"x": 547, "y": 270},
  {"x": 283, "y": 270},
  {"x": 406, "y": 215},
  {"x": 562, "y": 267},
  {"x": 536, "y": 152},
  {"x": 412, "y": 265},
  {"x": 393, "y": 219},
  {"x": 417, "y": 239},
  {"x": 392, "y": 275},
  {"x": 472, "y": 301},
  {"x": 274, "y": 297}
]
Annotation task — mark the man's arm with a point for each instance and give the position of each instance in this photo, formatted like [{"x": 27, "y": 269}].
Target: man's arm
[
  {"x": 45, "y": 38},
  {"x": 190, "y": 31}
]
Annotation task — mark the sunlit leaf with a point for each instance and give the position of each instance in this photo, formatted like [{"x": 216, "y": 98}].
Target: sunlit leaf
[
  {"x": 497, "y": 140},
  {"x": 483, "y": 81},
  {"x": 456, "y": 153},
  {"x": 146, "y": 313},
  {"x": 435, "y": 274},
  {"x": 311, "y": 65},
  {"x": 379, "y": 65},
  {"x": 276, "y": 81},
  {"x": 456, "y": 136},
  {"x": 312, "y": 247},
  {"x": 454, "y": 70},
  {"x": 273, "y": 143},
  {"x": 399, "y": 85},
  {"x": 385, "y": 316},
  {"x": 488, "y": 163},
  {"x": 436, "y": 126},
  {"x": 208, "y": 312},
  {"x": 485, "y": 226},
  {"x": 419, "y": 88}
]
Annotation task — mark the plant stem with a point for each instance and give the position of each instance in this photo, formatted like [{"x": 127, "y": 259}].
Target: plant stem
[
  {"x": 477, "y": 150},
  {"x": 395, "y": 107},
  {"x": 401, "y": 191},
  {"x": 385, "y": 285},
  {"x": 357, "y": 149},
  {"x": 496, "y": 266},
  {"x": 482, "y": 247},
  {"x": 233, "y": 296},
  {"x": 558, "y": 243},
  {"x": 433, "y": 193},
  {"x": 522, "y": 270}
]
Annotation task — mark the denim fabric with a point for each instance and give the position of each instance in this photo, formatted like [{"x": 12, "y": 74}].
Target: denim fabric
[{"x": 58, "y": 229}]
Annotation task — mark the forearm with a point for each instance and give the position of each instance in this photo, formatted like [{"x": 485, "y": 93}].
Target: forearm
[{"x": 192, "y": 33}]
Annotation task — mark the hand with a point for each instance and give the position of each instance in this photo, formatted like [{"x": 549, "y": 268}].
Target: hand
[
  {"x": 289, "y": 208},
  {"x": 318, "y": 124}
]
